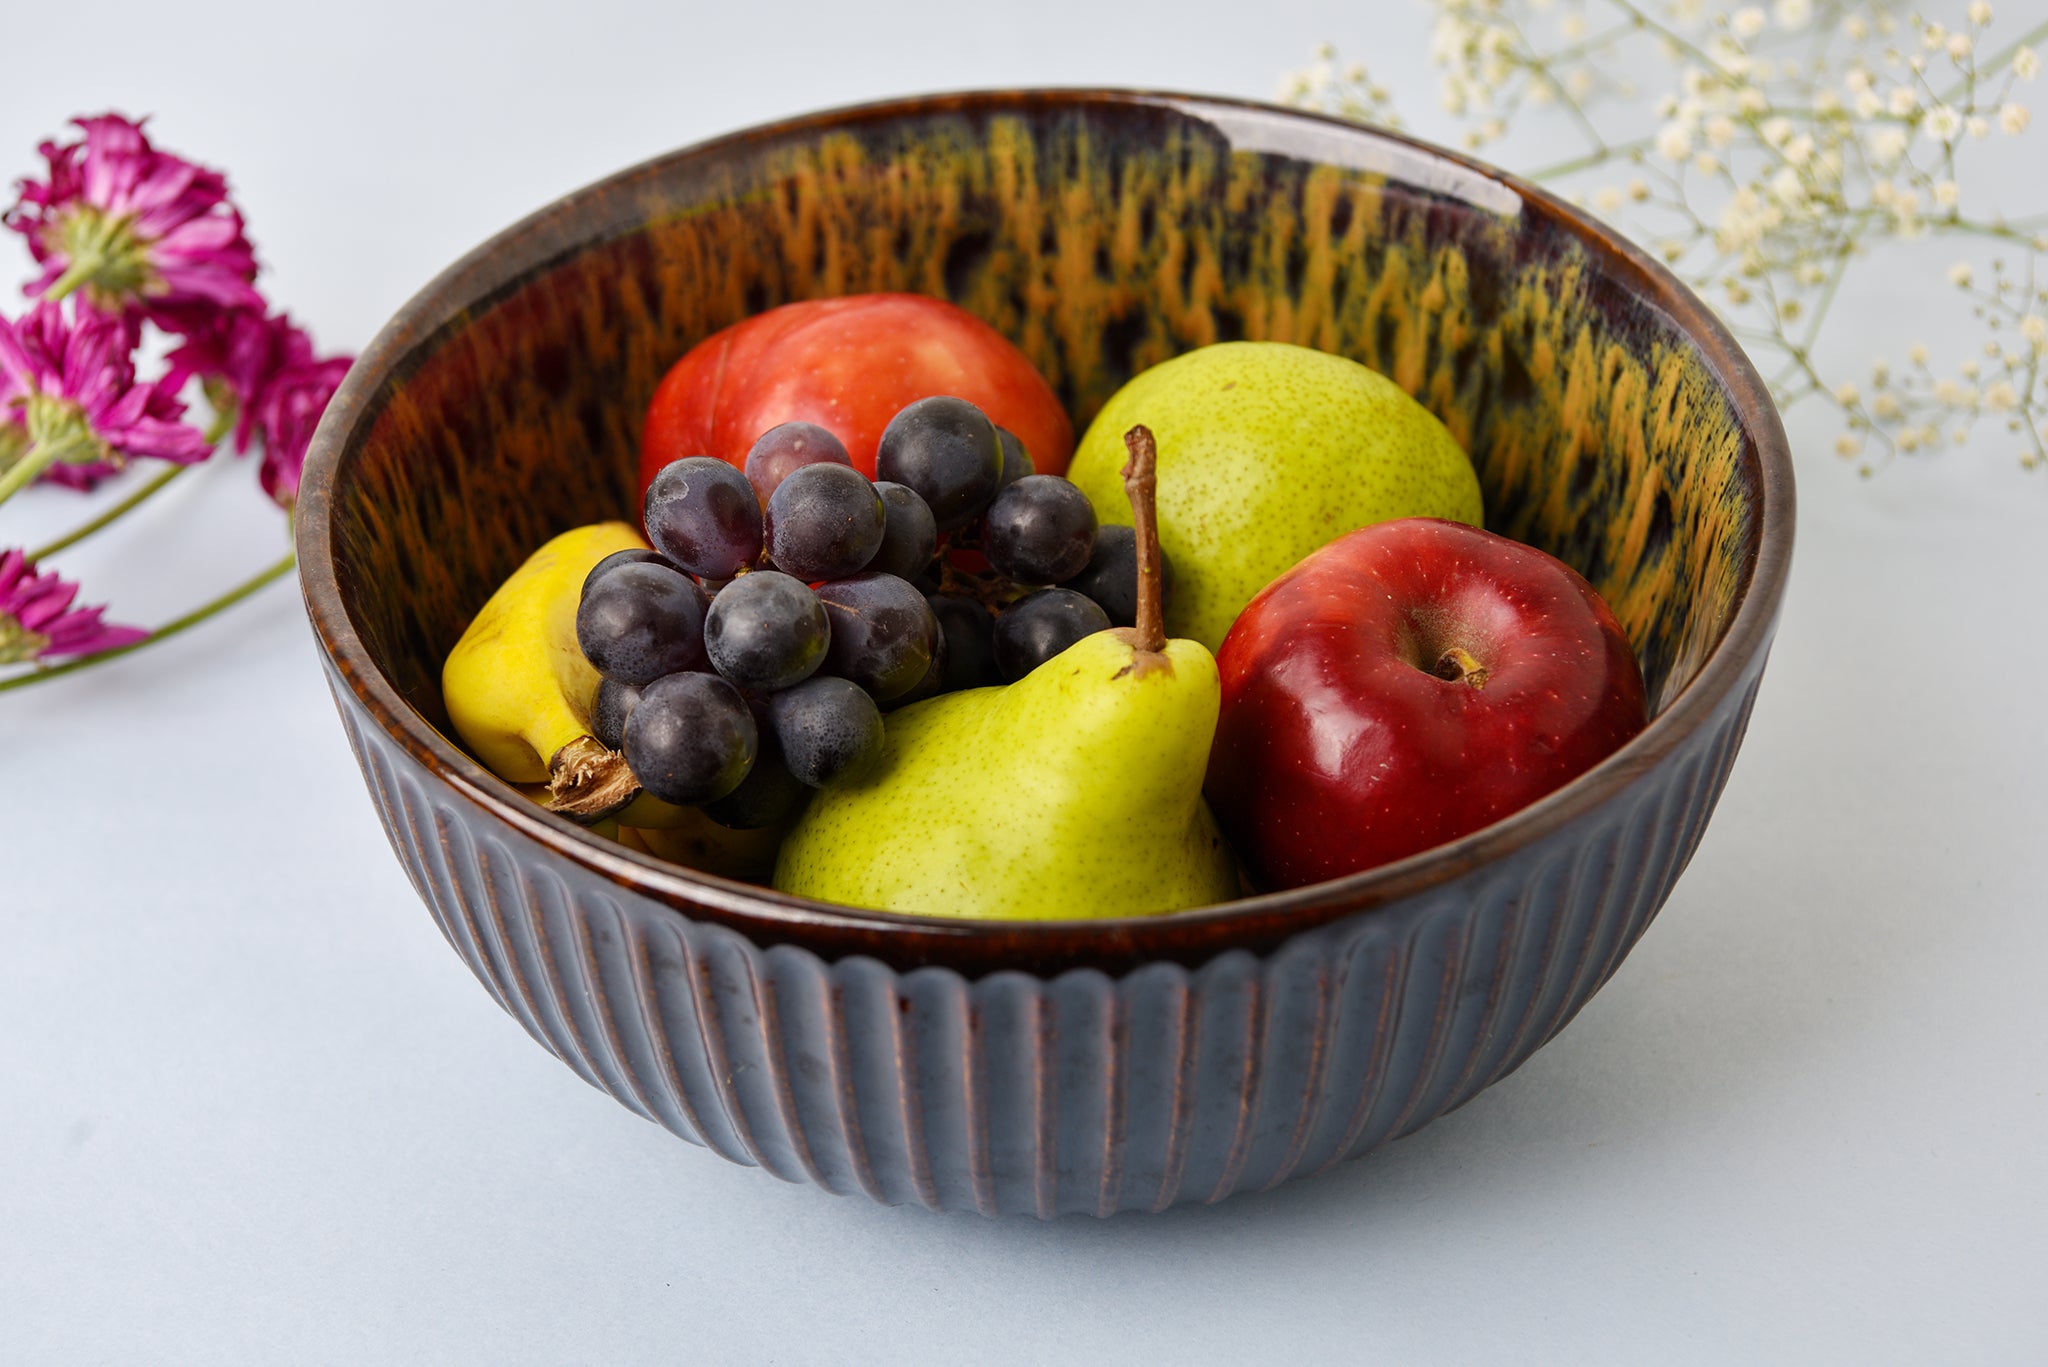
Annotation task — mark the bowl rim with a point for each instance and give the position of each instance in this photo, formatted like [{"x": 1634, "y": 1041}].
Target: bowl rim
[{"x": 578, "y": 220}]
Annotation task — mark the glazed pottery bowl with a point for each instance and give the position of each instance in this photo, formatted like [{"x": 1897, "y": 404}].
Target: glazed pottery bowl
[{"x": 1079, "y": 1066}]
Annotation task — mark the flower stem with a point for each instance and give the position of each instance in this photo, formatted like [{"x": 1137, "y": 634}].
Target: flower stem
[
  {"x": 1605, "y": 153},
  {"x": 223, "y": 423},
  {"x": 33, "y": 462},
  {"x": 125, "y": 506},
  {"x": 164, "y": 632},
  {"x": 84, "y": 266},
  {"x": 2038, "y": 33}
]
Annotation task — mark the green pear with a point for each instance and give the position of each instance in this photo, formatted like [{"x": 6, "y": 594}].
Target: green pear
[
  {"x": 1267, "y": 452},
  {"x": 1075, "y": 792}
]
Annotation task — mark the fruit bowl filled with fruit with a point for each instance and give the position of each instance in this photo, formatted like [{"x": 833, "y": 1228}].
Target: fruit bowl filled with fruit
[{"x": 1047, "y": 651}]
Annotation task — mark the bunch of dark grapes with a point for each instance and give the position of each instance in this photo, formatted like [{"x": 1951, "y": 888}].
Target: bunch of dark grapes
[
  {"x": 748, "y": 657},
  {"x": 1053, "y": 574}
]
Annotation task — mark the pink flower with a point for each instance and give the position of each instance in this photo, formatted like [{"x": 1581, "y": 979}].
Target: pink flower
[
  {"x": 83, "y": 478},
  {"x": 37, "y": 621},
  {"x": 138, "y": 230},
  {"x": 234, "y": 355},
  {"x": 288, "y": 411},
  {"x": 69, "y": 387},
  {"x": 266, "y": 368}
]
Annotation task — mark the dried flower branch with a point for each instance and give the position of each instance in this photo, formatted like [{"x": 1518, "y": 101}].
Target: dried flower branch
[{"x": 1789, "y": 148}]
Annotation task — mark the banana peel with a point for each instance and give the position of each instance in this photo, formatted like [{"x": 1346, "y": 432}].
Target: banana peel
[
  {"x": 700, "y": 843},
  {"x": 519, "y": 692}
]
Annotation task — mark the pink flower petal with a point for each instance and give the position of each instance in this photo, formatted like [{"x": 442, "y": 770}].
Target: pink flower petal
[
  {"x": 42, "y": 604},
  {"x": 188, "y": 234},
  {"x": 86, "y": 360}
]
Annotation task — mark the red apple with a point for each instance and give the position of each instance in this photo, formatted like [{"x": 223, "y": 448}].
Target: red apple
[
  {"x": 1405, "y": 685},
  {"x": 848, "y": 365}
]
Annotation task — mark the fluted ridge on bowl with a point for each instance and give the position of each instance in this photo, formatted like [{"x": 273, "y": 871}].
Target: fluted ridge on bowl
[{"x": 1042, "y": 1095}]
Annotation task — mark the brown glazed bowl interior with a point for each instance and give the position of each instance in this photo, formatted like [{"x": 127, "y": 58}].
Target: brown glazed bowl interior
[{"x": 1063, "y": 1065}]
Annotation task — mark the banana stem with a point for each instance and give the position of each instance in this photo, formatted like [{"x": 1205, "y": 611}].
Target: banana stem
[
  {"x": 588, "y": 783},
  {"x": 1141, "y": 486}
]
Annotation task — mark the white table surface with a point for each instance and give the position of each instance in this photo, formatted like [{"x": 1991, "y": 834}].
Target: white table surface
[{"x": 253, "y": 1110}]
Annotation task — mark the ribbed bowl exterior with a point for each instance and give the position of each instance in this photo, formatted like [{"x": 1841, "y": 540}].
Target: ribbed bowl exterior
[
  {"x": 1049, "y": 1067},
  {"x": 1014, "y": 1093}
]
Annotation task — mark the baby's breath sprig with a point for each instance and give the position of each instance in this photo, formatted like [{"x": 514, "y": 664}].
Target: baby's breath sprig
[{"x": 1789, "y": 148}]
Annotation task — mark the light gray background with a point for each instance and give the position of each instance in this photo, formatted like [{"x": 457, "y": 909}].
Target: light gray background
[{"x": 252, "y": 1109}]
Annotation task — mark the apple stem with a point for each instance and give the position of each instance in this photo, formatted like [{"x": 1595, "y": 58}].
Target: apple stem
[
  {"x": 1141, "y": 486},
  {"x": 1456, "y": 665}
]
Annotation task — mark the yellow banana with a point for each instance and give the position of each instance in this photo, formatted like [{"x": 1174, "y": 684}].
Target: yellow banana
[
  {"x": 518, "y": 689},
  {"x": 519, "y": 693},
  {"x": 699, "y": 842}
]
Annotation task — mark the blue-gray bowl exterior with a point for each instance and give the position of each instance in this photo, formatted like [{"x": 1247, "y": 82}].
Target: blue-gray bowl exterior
[
  {"x": 1085, "y": 1091},
  {"x": 1033, "y": 1069}
]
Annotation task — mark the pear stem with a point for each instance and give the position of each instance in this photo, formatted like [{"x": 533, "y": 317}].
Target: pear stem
[{"x": 1141, "y": 486}]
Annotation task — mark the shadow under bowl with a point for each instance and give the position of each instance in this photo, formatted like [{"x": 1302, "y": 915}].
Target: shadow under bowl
[{"x": 1092, "y": 1066}]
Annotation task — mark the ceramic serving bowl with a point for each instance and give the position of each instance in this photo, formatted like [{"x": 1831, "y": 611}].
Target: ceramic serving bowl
[{"x": 1078, "y": 1066}]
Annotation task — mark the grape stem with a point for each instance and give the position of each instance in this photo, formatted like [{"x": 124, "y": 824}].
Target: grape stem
[
  {"x": 991, "y": 591},
  {"x": 1141, "y": 486}
]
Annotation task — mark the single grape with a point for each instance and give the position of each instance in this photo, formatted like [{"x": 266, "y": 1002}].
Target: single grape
[
  {"x": 608, "y": 714},
  {"x": 1040, "y": 530},
  {"x": 1016, "y": 460},
  {"x": 883, "y": 635},
  {"x": 911, "y": 537},
  {"x": 947, "y": 450},
  {"x": 934, "y": 681},
  {"x": 824, "y": 522},
  {"x": 1111, "y": 576},
  {"x": 690, "y": 739},
  {"x": 782, "y": 451},
  {"x": 702, "y": 514},
  {"x": 766, "y": 630},
  {"x": 640, "y": 621},
  {"x": 1039, "y": 626},
  {"x": 969, "y": 630},
  {"x": 829, "y": 730},
  {"x": 767, "y": 796},
  {"x": 632, "y": 555}
]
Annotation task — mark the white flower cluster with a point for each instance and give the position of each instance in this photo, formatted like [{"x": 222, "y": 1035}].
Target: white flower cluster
[
  {"x": 1350, "y": 91},
  {"x": 1473, "y": 49},
  {"x": 2003, "y": 385},
  {"x": 1790, "y": 142}
]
